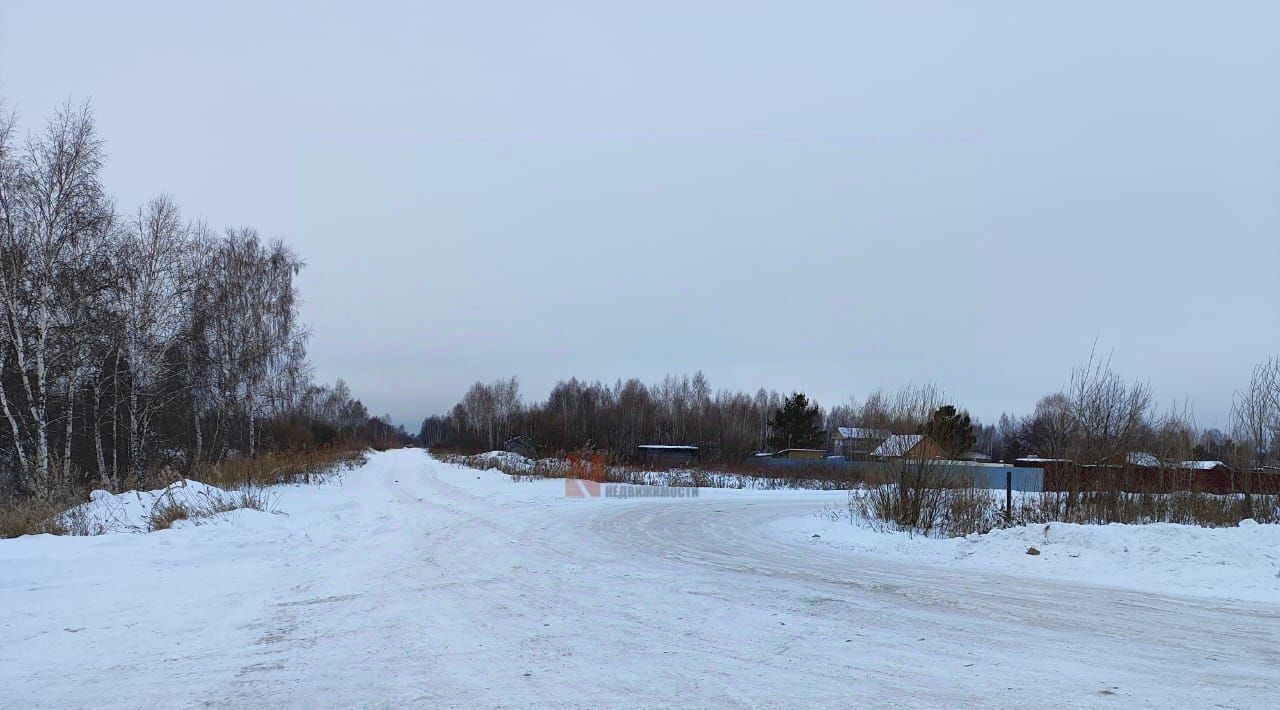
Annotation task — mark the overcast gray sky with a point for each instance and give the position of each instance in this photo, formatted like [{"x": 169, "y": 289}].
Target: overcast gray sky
[{"x": 827, "y": 197}]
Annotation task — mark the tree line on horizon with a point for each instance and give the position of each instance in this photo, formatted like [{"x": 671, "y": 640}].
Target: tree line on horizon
[
  {"x": 726, "y": 425},
  {"x": 136, "y": 340},
  {"x": 1096, "y": 417}
]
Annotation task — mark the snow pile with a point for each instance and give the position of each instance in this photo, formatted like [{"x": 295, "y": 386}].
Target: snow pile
[
  {"x": 508, "y": 459},
  {"x": 1236, "y": 563},
  {"x": 132, "y": 511}
]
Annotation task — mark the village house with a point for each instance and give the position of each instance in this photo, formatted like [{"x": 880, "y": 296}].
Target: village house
[
  {"x": 850, "y": 441},
  {"x": 909, "y": 446},
  {"x": 1135, "y": 459}
]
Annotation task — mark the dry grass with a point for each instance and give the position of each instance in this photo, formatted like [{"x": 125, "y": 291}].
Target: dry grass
[
  {"x": 941, "y": 509},
  {"x": 32, "y": 516},
  {"x": 1184, "y": 507},
  {"x": 302, "y": 466},
  {"x": 168, "y": 510},
  {"x": 35, "y": 516}
]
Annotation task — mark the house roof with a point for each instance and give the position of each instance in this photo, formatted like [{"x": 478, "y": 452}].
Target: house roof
[
  {"x": 855, "y": 432},
  {"x": 1201, "y": 465},
  {"x": 667, "y": 447},
  {"x": 897, "y": 445}
]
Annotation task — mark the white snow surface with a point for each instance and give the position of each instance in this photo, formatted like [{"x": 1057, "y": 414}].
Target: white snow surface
[
  {"x": 413, "y": 583},
  {"x": 1229, "y": 563}
]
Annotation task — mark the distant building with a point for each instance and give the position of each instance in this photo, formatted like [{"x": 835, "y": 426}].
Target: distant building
[
  {"x": 666, "y": 454},
  {"x": 854, "y": 441},
  {"x": 1038, "y": 461},
  {"x": 1138, "y": 459},
  {"x": 909, "y": 446},
  {"x": 1217, "y": 466},
  {"x": 801, "y": 454}
]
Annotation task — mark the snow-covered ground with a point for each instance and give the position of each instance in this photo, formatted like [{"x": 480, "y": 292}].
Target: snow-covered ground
[
  {"x": 412, "y": 583},
  {"x": 1229, "y": 563}
]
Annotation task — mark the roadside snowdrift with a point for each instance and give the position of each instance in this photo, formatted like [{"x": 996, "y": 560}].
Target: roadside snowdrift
[
  {"x": 1234, "y": 563},
  {"x": 507, "y": 458},
  {"x": 132, "y": 511}
]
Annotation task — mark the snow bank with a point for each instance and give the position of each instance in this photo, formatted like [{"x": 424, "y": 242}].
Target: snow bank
[
  {"x": 131, "y": 511},
  {"x": 1233, "y": 563},
  {"x": 507, "y": 458}
]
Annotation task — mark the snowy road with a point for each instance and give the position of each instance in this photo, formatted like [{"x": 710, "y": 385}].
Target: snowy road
[{"x": 417, "y": 584}]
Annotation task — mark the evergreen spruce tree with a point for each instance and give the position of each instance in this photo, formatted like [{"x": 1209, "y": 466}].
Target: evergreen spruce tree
[
  {"x": 950, "y": 429},
  {"x": 795, "y": 425}
]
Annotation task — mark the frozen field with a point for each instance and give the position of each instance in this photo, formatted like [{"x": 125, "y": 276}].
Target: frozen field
[{"x": 412, "y": 583}]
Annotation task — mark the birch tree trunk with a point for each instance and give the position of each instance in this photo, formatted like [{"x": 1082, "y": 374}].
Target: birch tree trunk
[
  {"x": 97, "y": 435},
  {"x": 66, "y": 445}
]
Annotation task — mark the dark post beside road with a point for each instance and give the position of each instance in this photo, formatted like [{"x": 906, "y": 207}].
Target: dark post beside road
[{"x": 1008, "y": 496}]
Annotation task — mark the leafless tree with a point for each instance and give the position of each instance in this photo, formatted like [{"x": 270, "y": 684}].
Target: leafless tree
[
  {"x": 1172, "y": 437},
  {"x": 54, "y": 211},
  {"x": 1255, "y": 414},
  {"x": 1050, "y": 429},
  {"x": 130, "y": 343},
  {"x": 1108, "y": 415},
  {"x": 901, "y": 411}
]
